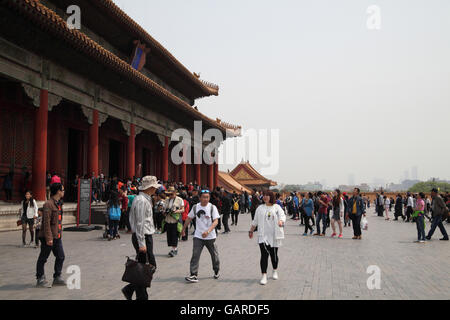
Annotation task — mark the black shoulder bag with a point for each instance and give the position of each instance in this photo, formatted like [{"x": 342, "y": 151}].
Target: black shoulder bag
[{"x": 137, "y": 273}]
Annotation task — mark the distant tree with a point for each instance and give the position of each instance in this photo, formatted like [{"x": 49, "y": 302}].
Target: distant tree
[{"x": 426, "y": 186}]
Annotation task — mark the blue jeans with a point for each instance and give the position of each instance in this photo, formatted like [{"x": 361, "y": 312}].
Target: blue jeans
[
  {"x": 437, "y": 222},
  {"x": 420, "y": 222},
  {"x": 323, "y": 217}
]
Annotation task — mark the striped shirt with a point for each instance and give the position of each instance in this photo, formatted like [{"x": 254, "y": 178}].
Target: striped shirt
[{"x": 141, "y": 218}]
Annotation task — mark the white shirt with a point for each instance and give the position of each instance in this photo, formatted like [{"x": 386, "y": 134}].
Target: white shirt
[
  {"x": 266, "y": 219},
  {"x": 387, "y": 203},
  {"x": 32, "y": 212},
  {"x": 410, "y": 202},
  {"x": 141, "y": 218},
  {"x": 205, "y": 221}
]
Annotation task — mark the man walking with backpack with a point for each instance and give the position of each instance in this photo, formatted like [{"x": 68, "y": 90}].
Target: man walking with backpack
[
  {"x": 236, "y": 208},
  {"x": 355, "y": 210},
  {"x": 440, "y": 211},
  {"x": 207, "y": 218}
]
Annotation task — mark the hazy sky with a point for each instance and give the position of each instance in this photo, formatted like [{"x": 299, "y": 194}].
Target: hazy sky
[{"x": 347, "y": 100}]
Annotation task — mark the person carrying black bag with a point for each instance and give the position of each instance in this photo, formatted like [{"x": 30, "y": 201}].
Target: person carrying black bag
[{"x": 141, "y": 222}]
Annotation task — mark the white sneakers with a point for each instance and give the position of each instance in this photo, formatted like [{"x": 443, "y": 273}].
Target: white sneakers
[
  {"x": 264, "y": 277},
  {"x": 275, "y": 275}
]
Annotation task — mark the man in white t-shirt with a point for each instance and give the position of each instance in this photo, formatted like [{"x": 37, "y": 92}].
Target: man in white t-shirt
[{"x": 207, "y": 218}]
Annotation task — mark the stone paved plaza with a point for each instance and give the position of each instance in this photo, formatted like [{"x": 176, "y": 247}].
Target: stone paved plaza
[{"x": 310, "y": 267}]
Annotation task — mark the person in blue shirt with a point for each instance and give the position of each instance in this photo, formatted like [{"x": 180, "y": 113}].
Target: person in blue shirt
[
  {"x": 279, "y": 201},
  {"x": 295, "y": 199},
  {"x": 308, "y": 206}
]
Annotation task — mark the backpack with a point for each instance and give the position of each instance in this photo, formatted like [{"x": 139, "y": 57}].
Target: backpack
[
  {"x": 114, "y": 213},
  {"x": 235, "y": 205}
]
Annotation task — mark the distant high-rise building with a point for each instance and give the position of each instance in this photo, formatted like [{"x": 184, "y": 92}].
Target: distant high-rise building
[{"x": 414, "y": 174}]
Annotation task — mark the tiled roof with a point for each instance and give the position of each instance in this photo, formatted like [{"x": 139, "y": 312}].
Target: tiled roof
[
  {"x": 50, "y": 22},
  {"x": 258, "y": 178},
  {"x": 230, "y": 184},
  {"x": 110, "y": 7}
]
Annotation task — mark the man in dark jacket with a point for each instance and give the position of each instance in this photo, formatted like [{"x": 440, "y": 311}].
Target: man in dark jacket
[
  {"x": 355, "y": 210},
  {"x": 255, "y": 204},
  {"x": 439, "y": 208},
  {"x": 50, "y": 236},
  {"x": 246, "y": 206},
  {"x": 225, "y": 198},
  {"x": 399, "y": 208}
]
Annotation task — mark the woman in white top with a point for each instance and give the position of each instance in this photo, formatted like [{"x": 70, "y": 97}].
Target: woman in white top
[
  {"x": 28, "y": 212},
  {"x": 387, "y": 204},
  {"x": 269, "y": 219}
]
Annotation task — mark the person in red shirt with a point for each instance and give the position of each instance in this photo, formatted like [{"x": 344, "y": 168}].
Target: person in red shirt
[
  {"x": 124, "y": 221},
  {"x": 322, "y": 214},
  {"x": 185, "y": 213}
]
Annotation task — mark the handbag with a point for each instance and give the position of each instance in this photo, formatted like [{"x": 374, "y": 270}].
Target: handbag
[
  {"x": 19, "y": 222},
  {"x": 138, "y": 274}
]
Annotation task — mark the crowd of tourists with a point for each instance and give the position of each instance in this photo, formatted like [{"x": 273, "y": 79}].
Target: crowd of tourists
[{"x": 145, "y": 206}]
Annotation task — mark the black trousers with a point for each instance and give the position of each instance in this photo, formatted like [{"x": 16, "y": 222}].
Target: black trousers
[
  {"x": 356, "y": 222},
  {"x": 398, "y": 213},
  {"x": 302, "y": 217},
  {"x": 141, "y": 292},
  {"x": 235, "y": 217},
  {"x": 225, "y": 217},
  {"x": 409, "y": 211},
  {"x": 380, "y": 211},
  {"x": 267, "y": 251},
  {"x": 58, "y": 252},
  {"x": 307, "y": 225},
  {"x": 37, "y": 236},
  {"x": 172, "y": 234},
  {"x": 124, "y": 220}
]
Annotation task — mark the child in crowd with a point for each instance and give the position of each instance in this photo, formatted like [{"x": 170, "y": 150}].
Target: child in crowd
[{"x": 38, "y": 226}]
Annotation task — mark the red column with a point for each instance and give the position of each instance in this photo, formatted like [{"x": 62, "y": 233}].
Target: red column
[
  {"x": 165, "y": 160},
  {"x": 131, "y": 152},
  {"x": 216, "y": 174},
  {"x": 183, "y": 167},
  {"x": 198, "y": 166},
  {"x": 40, "y": 148},
  {"x": 211, "y": 176},
  {"x": 93, "y": 145},
  {"x": 198, "y": 174}
]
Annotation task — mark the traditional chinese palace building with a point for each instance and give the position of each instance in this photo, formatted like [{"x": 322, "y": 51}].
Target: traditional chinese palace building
[
  {"x": 249, "y": 177},
  {"x": 104, "y": 98}
]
